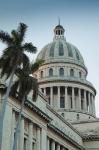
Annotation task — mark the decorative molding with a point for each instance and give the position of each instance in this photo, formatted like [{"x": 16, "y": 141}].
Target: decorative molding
[{"x": 65, "y": 136}]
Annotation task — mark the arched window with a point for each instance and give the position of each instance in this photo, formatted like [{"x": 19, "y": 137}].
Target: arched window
[
  {"x": 71, "y": 72},
  {"x": 42, "y": 74},
  {"x": 61, "y": 72},
  {"x": 50, "y": 72},
  {"x": 61, "y": 50}
]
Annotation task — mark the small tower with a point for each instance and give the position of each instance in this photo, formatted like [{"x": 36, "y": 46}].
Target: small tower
[{"x": 59, "y": 31}]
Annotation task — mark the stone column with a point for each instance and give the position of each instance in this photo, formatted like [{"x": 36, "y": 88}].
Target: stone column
[
  {"x": 13, "y": 128},
  {"x": 63, "y": 148},
  {"x": 51, "y": 96},
  {"x": 53, "y": 145},
  {"x": 73, "y": 100},
  {"x": 66, "y": 98},
  {"x": 30, "y": 136},
  {"x": 89, "y": 101},
  {"x": 58, "y": 97},
  {"x": 44, "y": 139},
  {"x": 79, "y": 99},
  {"x": 93, "y": 102},
  {"x": 85, "y": 101},
  {"x": 48, "y": 144},
  {"x": 44, "y": 91},
  {"x": 38, "y": 139},
  {"x": 58, "y": 147},
  {"x": 21, "y": 136}
]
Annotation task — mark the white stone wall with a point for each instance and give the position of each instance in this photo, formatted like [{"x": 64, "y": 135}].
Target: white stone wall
[
  {"x": 92, "y": 145},
  {"x": 57, "y": 66},
  {"x": 73, "y": 116}
]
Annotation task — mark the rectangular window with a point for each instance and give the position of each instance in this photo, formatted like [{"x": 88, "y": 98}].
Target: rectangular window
[{"x": 62, "y": 102}]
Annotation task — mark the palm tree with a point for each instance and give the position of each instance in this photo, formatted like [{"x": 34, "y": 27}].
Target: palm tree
[
  {"x": 21, "y": 88},
  {"x": 13, "y": 57}
]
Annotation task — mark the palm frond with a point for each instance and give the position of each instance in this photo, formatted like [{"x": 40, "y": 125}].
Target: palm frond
[
  {"x": 34, "y": 88},
  {"x": 21, "y": 30},
  {"x": 15, "y": 36},
  {"x": 36, "y": 65},
  {"x": 29, "y": 48},
  {"x": 14, "y": 88},
  {"x": 5, "y": 37},
  {"x": 26, "y": 62}
]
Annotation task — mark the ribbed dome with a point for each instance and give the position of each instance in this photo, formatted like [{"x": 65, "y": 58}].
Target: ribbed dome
[{"x": 61, "y": 51}]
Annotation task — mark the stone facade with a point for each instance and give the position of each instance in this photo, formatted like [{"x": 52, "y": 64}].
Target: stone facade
[{"x": 63, "y": 117}]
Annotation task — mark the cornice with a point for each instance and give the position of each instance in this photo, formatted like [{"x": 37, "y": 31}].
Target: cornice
[
  {"x": 37, "y": 110},
  {"x": 67, "y": 80},
  {"x": 63, "y": 120},
  {"x": 65, "y": 136}
]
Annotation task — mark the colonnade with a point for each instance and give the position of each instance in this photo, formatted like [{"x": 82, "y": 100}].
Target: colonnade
[
  {"x": 53, "y": 145},
  {"x": 81, "y": 99},
  {"x": 29, "y": 141}
]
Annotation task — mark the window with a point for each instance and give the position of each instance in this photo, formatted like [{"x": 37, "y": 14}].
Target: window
[
  {"x": 71, "y": 72},
  {"x": 50, "y": 72},
  {"x": 61, "y": 72},
  {"x": 71, "y": 106},
  {"x": 61, "y": 50},
  {"x": 62, "y": 102},
  {"x": 41, "y": 74},
  {"x": 80, "y": 74}
]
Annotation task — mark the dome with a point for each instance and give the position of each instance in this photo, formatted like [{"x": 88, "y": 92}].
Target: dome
[
  {"x": 62, "y": 78},
  {"x": 61, "y": 51}
]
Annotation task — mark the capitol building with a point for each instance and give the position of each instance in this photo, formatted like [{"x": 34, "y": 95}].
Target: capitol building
[{"x": 63, "y": 117}]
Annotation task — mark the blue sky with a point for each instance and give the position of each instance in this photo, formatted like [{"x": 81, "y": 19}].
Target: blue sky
[{"x": 80, "y": 18}]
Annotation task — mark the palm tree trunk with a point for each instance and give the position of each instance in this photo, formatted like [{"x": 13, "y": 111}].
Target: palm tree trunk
[
  {"x": 4, "y": 104},
  {"x": 18, "y": 125}
]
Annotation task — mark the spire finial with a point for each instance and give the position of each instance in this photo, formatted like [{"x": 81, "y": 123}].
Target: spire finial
[{"x": 59, "y": 21}]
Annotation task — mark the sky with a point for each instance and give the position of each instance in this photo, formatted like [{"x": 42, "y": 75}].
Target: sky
[{"x": 80, "y": 18}]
